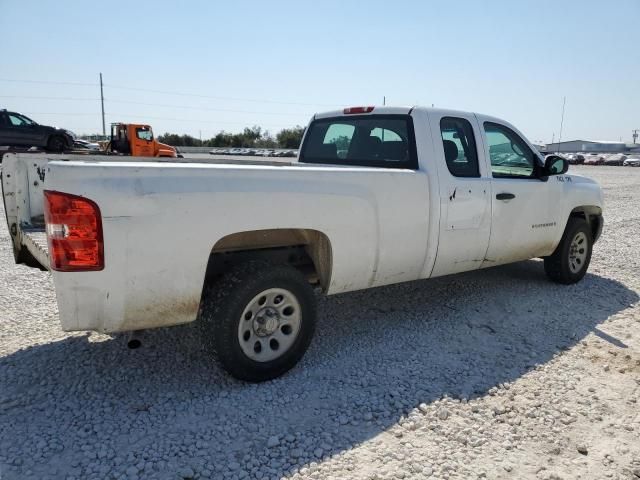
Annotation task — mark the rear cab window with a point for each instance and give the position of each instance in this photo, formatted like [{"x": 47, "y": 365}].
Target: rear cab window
[{"x": 364, "y": 140}]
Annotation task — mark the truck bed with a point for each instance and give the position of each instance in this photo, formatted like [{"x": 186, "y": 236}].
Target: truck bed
[
  {"x": 34, "y": 239},
  {"x": 24, "y": 178}
]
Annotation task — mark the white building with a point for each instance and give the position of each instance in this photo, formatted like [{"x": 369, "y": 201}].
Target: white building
[{"x": 591, "y": 146}]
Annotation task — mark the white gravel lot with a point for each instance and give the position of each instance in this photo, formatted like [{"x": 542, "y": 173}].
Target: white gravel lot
[{"x": 491, "y": 374}]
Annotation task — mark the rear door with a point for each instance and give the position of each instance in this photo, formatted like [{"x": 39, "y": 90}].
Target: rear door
[
  {"x": 525, "y": 209},
  {"x": 465, "y": 206}
]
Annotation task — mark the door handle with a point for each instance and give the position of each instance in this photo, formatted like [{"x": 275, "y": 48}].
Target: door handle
[{"x": 505, "y": 196}]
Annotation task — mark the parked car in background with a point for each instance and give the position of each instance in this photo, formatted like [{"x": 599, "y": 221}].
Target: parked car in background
[
  {"x": 593, "y": 159},
  {"x": 615, "y": 159},
  {"x": 575, "y": 158},
  {"x": 17, "y": 130},
  {"x": 286, "y": 153},
  {"x": 264, "y": 153},
  {"x": 84, "y": 145},
  {"x": 632, "y": 161}
]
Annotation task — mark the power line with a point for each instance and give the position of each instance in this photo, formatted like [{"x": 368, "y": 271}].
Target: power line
[
  {"x": 228, "y": 110},
  {"x": 60, "y": 113},
  {"x": 30, "y": 97},
  {"x": 237, "y": 99},
  {"x": 129, "y": 115},
  {"x": 167, "y": 92},
  {"x": 77, "y": 84},
  {"x": 133, "y": 102},
  {"x": 186, "y": 120}
]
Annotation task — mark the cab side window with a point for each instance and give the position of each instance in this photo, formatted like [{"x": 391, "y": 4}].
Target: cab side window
[
  {"x": 459, "y": 146},
  {"x": 510, "y": 156},
  {"x": 144, "y": 134}
]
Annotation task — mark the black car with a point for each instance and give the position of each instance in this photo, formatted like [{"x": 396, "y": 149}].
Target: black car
[{"x": 16, "y": 130}]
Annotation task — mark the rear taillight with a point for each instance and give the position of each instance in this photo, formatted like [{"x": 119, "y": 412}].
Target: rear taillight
[
  {"x": 354, "y": 110},
  {"x": 74, "y": 232}
]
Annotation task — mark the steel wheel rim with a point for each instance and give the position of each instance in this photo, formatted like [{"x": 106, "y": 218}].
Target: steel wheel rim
[
  {"x": 269, "y": 324},
  {"x": 578, "y": 252}
]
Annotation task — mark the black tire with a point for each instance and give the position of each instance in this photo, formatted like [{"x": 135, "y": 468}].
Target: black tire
[
  {"x": 224, "y": 304},
  {"x": 56, "y": 144},
  {"x": 561, "y": 266}
]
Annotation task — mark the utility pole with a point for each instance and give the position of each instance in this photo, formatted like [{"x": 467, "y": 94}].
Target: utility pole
[
  {"x": 384, "y": 100},
  {"x": 104, "y": 130},
  {"x": 635, "y": 134}
]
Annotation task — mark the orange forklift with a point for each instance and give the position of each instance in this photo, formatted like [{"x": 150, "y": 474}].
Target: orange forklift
[{"x": 138, "y": 141}]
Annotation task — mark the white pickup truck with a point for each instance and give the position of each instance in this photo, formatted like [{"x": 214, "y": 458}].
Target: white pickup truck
[{"x": 377, "y": 196}]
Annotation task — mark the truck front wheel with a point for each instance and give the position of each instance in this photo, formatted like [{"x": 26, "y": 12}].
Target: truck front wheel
[
  {"x": 258, "y": 320},
  {"x": 570, "y": 260}
]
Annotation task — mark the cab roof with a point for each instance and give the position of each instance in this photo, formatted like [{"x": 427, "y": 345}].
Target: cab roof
[{"x": 404, "y": 110}]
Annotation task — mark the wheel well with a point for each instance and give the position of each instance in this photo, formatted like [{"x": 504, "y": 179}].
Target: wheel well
[
  {"x": 593, "y": 216},
  {"x": 307, "y": 250}
]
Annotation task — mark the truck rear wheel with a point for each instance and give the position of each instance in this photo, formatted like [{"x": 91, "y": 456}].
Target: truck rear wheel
[
  {"x": 258, "y": 320},
  {"x": 570, "y": 260}
]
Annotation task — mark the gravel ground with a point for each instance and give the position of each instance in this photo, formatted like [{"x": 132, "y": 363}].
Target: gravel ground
[{"x": 490, "y": 374}]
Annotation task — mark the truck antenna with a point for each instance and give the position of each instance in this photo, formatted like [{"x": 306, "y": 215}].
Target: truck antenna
[
  {"x": 104, "y": 131},
  {"x": 564, "y": 100}
]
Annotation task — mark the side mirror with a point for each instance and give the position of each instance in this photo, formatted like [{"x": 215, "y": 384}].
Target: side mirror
[{"x": 555, "y": 165}]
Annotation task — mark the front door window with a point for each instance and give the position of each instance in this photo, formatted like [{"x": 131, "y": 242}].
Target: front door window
[
  {"x": 510, "y": 156},
  {"x": 19, "y": 120}
]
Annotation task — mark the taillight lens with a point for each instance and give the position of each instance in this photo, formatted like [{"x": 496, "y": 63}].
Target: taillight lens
[{"x": 74, "y": 232}]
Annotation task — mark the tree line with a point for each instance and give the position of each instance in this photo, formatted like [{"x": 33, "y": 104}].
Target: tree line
[{"x": 253, "y": 137}]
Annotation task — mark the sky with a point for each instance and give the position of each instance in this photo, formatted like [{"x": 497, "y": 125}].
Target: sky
[{"x": 198, "y": 67}]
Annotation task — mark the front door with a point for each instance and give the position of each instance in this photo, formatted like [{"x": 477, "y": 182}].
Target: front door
[
  {"x": 465, "y": 206},
  {"x": 525, "y": 210},
  {"x": 142, "y": 141}
]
